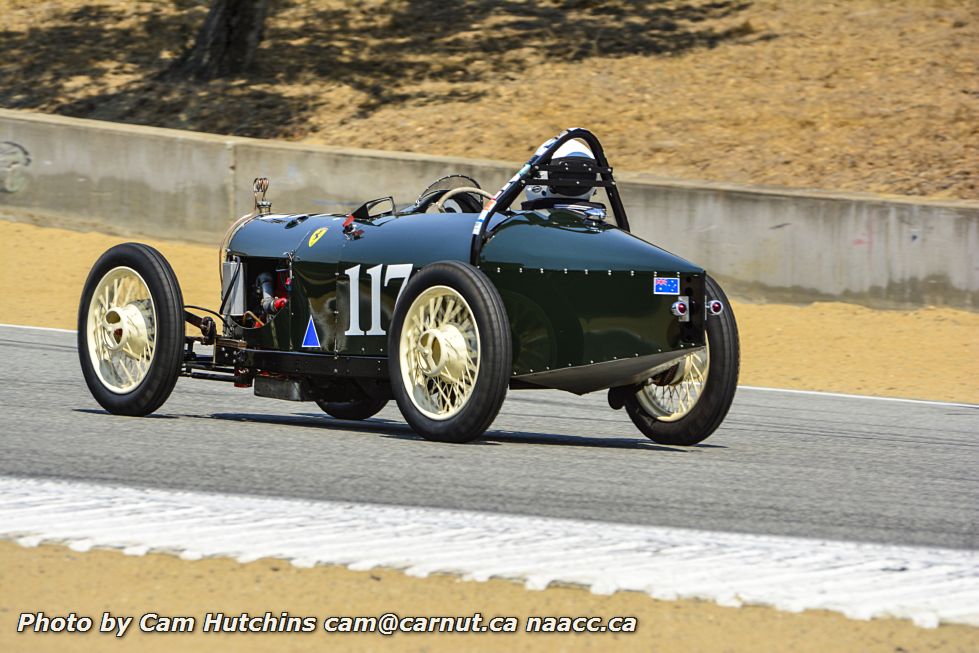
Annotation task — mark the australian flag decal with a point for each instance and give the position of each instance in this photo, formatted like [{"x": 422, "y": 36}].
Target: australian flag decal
[{"x": 666, "y": 286}]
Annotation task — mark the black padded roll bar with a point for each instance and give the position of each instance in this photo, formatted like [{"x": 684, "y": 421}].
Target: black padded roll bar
[{"x": 506, "y": 195}]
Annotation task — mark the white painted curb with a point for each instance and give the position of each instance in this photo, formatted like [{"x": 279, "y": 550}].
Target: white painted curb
[{"x": 862, "y": 581}]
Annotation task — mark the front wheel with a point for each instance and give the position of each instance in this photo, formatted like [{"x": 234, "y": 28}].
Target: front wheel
[
  {"x": 685, "y": 404},
  {"x": 450, "y": 353},
  {"x": 131, "y": 330}
]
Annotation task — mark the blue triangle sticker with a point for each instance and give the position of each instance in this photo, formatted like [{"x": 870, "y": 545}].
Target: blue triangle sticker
[{"x": 311, "y": 339}]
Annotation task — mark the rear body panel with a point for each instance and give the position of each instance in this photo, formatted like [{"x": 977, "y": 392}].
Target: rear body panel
[{"x": 580, "y": 293}]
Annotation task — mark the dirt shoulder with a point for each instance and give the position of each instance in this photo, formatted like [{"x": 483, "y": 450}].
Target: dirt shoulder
[
  {"x": 58, "y": 581},
  {"x": 862, "y": 95},
  {"x": 925, "y": 354}
]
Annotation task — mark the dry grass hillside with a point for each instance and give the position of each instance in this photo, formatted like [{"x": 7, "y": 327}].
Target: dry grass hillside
[{"x": 867, "y": 95}]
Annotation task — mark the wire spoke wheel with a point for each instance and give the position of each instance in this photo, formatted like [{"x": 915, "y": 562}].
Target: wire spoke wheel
[
  {"x": 131, "y": 330},
  {"x": 450, "y": 352},
  {"x": 439, "y": 352},
  {"x": 121, "y": 330},
  {"x": 669, "y": 402},
  {"x": 685, "y": 404}
]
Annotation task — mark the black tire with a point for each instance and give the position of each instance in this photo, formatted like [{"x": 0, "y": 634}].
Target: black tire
[
  {"x": 164, "y": 368},
  {"x": 495, "y": 359},
  {"x": 355, "y": 409},
  {"x": 718, "y": 393}
]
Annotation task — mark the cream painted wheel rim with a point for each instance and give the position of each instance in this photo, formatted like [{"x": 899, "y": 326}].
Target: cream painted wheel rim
[
  {"x": 439, "y": 352},
  {"x": 669, "y": 403},
  {"x": 121, "y": 330}
]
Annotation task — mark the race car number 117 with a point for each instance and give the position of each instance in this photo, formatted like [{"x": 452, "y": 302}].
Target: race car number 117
[{"x": 376, "y": 273}]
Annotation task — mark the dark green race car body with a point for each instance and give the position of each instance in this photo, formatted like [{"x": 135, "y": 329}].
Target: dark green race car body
[{"x": 579, "y": 293}]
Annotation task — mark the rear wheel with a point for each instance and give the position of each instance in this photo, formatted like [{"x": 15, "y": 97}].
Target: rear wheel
[
  {"x": 355, "y": 409},
  {"x": 450, "y": 353},
  {"x": 131, "y": 330},
  {"x": 685, "y": 404}
]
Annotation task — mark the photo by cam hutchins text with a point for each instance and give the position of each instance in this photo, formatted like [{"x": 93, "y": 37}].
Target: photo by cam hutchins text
[{"x": 388, "y": 623}]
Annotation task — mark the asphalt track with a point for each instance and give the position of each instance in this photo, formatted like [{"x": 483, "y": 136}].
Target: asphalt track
[{"x": 783, "y": 463}]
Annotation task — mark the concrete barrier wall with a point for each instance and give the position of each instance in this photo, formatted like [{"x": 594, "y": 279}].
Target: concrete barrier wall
[
  {"x": 765, "y": 243},
  {"x": 305, "y": 178},
  {"x": 140, "y": 179},
  {"x": 777, "y": 244}
]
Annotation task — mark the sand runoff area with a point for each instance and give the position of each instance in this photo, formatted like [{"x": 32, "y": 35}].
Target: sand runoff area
[
  {"x": 59, "y": 581},
  {"x": 924, "y": 354}
]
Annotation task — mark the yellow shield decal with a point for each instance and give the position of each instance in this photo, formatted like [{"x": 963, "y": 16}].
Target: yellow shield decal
[{"x": 316, "y": 235}]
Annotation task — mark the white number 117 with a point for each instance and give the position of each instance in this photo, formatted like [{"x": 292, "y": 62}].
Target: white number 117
[{"x": 395, "y": 271}]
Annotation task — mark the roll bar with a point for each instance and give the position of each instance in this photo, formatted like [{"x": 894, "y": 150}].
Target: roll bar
[{"x": 530, "y": 172}]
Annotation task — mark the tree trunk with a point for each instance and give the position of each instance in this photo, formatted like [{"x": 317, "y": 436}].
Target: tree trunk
[{"x": 227, "y": 42}]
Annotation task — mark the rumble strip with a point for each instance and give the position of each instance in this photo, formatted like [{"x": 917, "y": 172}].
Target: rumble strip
[{"x": 862, "y": 581}]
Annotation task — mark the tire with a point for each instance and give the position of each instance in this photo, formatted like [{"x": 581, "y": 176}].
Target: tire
[
  {"x": 356, "y": 409},
  {"x": 450, "y": 367},
  {"x": 718, "y": 390},
  {"x": 144, "y": 352}
]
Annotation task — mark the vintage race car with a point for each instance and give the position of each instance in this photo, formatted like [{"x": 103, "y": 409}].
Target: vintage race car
[{"x": 443, "y": 306}]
